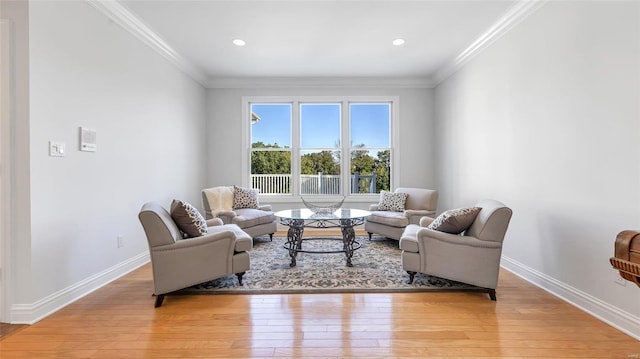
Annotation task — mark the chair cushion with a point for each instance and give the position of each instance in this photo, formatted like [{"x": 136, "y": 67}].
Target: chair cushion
[
  {"x": 393, "y": 219},
  {"x": 249, "y": 217},
  {"x": 455, "y": 221},
  {"x": 245, "y": 197},
  {"x": 392, "y": 201},
  {"x": 188, "y": 219}
]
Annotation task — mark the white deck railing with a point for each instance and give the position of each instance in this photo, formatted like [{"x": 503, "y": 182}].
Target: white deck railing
[
  {"x": 272, "y": 184},
  {"x": 310, "y": 184}
]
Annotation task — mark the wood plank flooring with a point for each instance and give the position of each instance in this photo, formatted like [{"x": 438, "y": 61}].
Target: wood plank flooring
[{"x": 119, "y": 321}]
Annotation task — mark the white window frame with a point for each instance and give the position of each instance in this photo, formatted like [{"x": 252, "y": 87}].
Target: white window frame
[{"x": 295, "y": 102}]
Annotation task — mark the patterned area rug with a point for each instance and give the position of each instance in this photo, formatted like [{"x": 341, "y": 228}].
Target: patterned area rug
[{"x": 376, "y": 268}]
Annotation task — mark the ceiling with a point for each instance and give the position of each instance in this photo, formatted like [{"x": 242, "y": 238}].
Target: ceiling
[{"x": 321, "y": 38}]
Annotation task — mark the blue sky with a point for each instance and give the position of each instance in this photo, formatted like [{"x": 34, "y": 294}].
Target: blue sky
[
  {"x": 320, "y": 126},
  {"x": 274, "y": 125},
  {"x": 370, "y": 125}
]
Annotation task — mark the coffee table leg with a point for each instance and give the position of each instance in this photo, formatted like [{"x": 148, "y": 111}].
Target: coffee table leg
[
  {"x": 294, "y": 239},
  {"x": 348, "y": 238}
]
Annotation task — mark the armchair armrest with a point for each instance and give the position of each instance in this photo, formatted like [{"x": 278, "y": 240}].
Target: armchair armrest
[
  {"x": 373, "y": 207},
  {"x": 265, "y": 207},
  {"x": 414, "y": 215},
  {"x": 426, "y": 221},
  {"x": 242, "y": 242},
  {"x": 425, "y": 234},
  {"x": 197, "y": 241},
  {"x": 418, "y": 212},
  {"x": 226, "y": 216},
  {"x": 213, "y": 222}
]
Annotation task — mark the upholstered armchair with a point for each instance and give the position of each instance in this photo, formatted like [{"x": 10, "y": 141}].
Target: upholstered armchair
[
  {"x": 391, "y": 223},
  {"x": 180, "y": 263},
  {"x": 471, "y": 257},
  {"x": 255, "y": 219}
]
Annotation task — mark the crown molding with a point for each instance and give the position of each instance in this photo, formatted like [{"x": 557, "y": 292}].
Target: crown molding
[
  {"x": 320, "y": 82},
  {"x": 511, "y": 18},
  {"x": 114, "y": 10},
  {"x": 131, "y": 23}
]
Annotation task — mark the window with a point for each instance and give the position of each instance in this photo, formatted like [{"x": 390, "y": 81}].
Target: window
[
  {"x": 320, "y": 146},
  {"x": 370, "y": 142},
  {"x": 271, "y": 148},
  {"x": 320, "y": 149}
]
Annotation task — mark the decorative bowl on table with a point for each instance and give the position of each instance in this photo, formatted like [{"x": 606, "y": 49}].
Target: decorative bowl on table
[{"x": 324, "y": 208}]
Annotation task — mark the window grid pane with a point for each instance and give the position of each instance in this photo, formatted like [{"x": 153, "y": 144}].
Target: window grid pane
[
  {"x": 271, "y": 147},
  {"x": 320, "y": 125},
  {"x": 320, "y": 172},
  {"x": 370, "y": 139}
]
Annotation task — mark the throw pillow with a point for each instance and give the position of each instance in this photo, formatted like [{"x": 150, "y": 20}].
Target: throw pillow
[
  {"x": 188, "y": 219},
  {"x": 245, "y": 197},
  {"x": 455, "y": 221},
  {"x": 392, "y": 201}
]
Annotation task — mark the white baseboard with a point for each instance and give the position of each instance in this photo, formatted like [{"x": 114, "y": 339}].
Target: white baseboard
[
  {"x": 605, "y": 312},
  {"x": 32, "y": 313}
]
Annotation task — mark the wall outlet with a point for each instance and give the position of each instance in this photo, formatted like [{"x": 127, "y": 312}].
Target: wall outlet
[
  {"x": 620, "y": 281},
  {"x": 120, "y": 241}
]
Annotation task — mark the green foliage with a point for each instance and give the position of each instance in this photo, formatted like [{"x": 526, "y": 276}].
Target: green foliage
[
  {"x": 270, "y": 162},
  {"x": 363, "y": 163},
  {"x": 261, "y": 144},
  {"x": 328, "y": 162},
  {"x": 382, "y": 168},
  {"x": 316, "y": 162}
]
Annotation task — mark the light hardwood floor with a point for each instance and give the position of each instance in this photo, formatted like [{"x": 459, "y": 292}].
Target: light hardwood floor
[{"x": 119, "y": 321}]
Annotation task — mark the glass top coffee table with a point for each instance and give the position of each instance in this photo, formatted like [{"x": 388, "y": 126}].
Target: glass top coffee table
[{"x": 299, "y": 219}]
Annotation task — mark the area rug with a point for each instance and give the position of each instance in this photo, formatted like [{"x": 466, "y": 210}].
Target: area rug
[{"x": 376, "y": 268}]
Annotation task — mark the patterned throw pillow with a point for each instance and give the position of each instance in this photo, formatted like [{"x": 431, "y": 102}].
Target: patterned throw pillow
[
  {"x": 188, "y": 219},
  {"x": 392, "y": 201},
  {"x": 245, "y": 197},
  {"x": 455, "y": 221}
]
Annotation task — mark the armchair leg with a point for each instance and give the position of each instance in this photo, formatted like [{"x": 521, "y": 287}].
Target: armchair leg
[
  {"x": 370, "y": 234},
  {"x": 159, "y": 300},
  {"x": 270, "y": 237},
  {"x": 492, "y": 293},
  {"x": 239, "y": 275},
  {"x": 411, "y": 275}
]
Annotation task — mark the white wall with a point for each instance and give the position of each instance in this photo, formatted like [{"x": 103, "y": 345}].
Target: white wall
[
  {"x": 416, "y": 129},
  {"x": 547, "y": 120},
  {"x": 149, "y": 117}
]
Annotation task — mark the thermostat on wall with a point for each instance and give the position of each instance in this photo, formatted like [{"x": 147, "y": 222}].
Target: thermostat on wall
[{"x": 88, "y": 140}]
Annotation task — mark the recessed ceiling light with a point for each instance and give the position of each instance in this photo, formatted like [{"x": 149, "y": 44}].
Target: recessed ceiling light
[
  {"x": 238, "y": 42},
  {"x": 398, "y": 42}
]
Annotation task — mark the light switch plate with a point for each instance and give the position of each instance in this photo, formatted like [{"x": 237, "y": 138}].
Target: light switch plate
[{"x": 56, "y": 149}]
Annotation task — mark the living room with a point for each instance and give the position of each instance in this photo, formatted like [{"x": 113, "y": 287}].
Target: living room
[{"x": 544, "y": 118}]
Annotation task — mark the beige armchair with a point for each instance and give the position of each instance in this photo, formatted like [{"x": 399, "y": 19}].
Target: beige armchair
[
  {"x": 472, "y": 257},
  {"x": 255, "y": 221},
  {"x": 420, "y": 202},
  {"x": 179, "y": 263}
]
